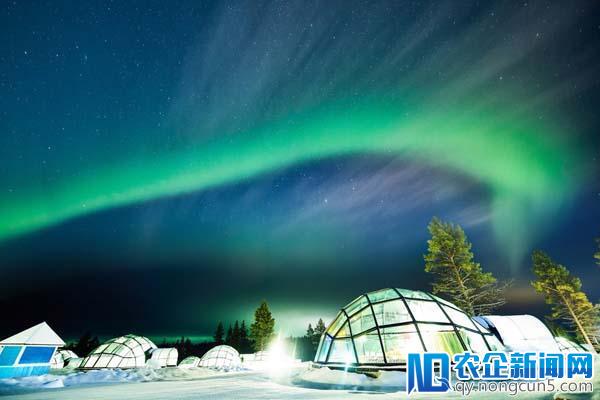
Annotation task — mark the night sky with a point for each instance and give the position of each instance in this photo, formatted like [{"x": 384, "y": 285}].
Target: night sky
[{"x": 166, "y": 165}]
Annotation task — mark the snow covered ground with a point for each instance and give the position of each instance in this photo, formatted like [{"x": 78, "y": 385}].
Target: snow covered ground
[{"x": 199, "y": 383}]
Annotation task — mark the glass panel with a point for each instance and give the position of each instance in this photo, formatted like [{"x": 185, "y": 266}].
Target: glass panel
[
  {"x": 459, "y": 318},
  {"x": 440, "y": 338},
  {"x": 400, "y": 329},
  {"x": 391, "y": 312},
  {"x": 382, "y": 295},
  {"x": 444, "y": 301},
  {"x": 341, "y": 351},
  {"x": 127, "y": 363},
  {"x": 356, "y": 305},
  {"x": 481, "y": 324},
  {"x": 100, "y": 348},
  {"x": 494, "y": 343},
  {"x": 415, "y": 294},
  {"x": 363, "y": 321},
  {"x": 473, "y": 341},
  {"x": 114, "y": 362},
  {"x": 90, "y": 361},
  {"x": 337, "y": 323},
  {"x": 122, "y": 350},
  {"x": 137, "y": 352},
  {"x": 317, "y": 354},
  {"x": 345, "y": 331},
  {"x": 103, "y": 361},
  {"x": 368, "y": 348},
  {"x": 399, "y": 341},
  {"x": 112, "y": 348},
  {"x": 426, "y": 311}
]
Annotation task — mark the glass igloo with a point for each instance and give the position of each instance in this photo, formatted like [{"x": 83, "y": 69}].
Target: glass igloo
[
  {"x": 221, "y": 357},
  {"x": 165, "y": 357},
  {"x": 129, "y": 351},
  {"x": 189, "y": 362},
  {"x": 377, "y": 330}
]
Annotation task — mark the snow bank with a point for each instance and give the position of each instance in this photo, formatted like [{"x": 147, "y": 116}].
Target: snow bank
[
  {"x": 65, "y": 378},
  {"x": 325, "y": 378}
]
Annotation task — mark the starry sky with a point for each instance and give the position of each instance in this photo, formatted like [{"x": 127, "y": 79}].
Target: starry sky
[{"x": 165, "y": 166}]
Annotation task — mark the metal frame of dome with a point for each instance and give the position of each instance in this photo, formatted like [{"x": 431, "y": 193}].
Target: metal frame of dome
[
  {"x": 127, "y": 351},
  {"x": 388, "y": 320}
]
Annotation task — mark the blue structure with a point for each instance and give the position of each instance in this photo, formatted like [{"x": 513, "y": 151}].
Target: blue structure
[{"x": 29, "y": 352}]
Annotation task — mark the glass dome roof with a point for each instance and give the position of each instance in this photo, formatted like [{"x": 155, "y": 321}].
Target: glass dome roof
[
  {"x": 127, "y": 351},
  {"x": 221, "y": 357},
  {"x": 380, "y": 328}
]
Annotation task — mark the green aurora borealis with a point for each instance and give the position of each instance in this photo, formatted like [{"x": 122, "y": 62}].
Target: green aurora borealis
[{"x": 528, "y": 170}]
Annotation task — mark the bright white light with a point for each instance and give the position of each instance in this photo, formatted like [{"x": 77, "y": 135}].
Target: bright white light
[{"x": 278, "y": 358}]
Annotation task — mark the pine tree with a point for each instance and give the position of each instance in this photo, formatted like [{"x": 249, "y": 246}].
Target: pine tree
[
  {"x": 310, "y": 332},
  {"x": 229, "y": 337},
  {"x": 85, "y": 345},
  {"x": 563, "y": 292},
  {"x": 219, "y": 333},
  {"x": 456, "y": 275},
  {"x": 235, "y": 336},
  {"x": 319, "y": 330},
  {"x": 245, "y": 346},
  {"x": 261, "y": 330}
]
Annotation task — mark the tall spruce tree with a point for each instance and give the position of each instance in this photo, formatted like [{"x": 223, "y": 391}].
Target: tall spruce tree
[
  {"x": 570, "y": 304},
  {"x": 229, "y": 336},
  {"x": 318, "y": 332},
  {"x": 235, "y": 337},
  {"x": 456, "y": 275},
  {"x": 262, "y": 329},
  {"x": 310, "y": 332},
  {"x": 85, "y": 345},
  {"x": 245, "y": 345},
  {"x": 320, "y": 327},
  {"x": 219, "y": 333}
]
